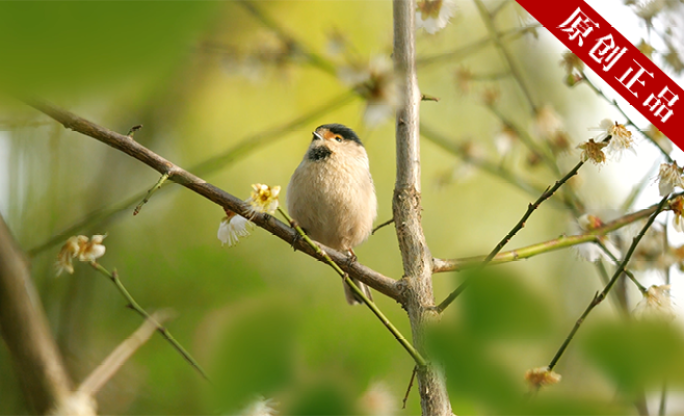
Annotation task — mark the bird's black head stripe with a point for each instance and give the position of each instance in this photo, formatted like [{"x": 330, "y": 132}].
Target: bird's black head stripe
[{"x": 342, "y": 130}]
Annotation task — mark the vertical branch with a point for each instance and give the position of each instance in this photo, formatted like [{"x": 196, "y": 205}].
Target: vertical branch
[
  {"x": 416, "y": 257},
  {"x": 26, "y": 333}
]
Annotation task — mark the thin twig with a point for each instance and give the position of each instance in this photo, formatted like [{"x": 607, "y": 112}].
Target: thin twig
[
  {"x": 132, "y": 304},
  {"x": 425, "y": 97},
  {"x": 530, "y": 209},
  {"x": 441, "y": 265},
  {"x": 629, "y": 274},
  {"x": 402, "y": 340},
  {"x": 463, "y": 52},
  {"x": 155, "y": 188},
  {"x": 494, "y": 35},
  {"x": 619, "y": 300},
  {"x": 662, "y": 407},
  {"x": 313, "y": 58},
  {"x": 599, "y": 297},
  {"x": 110, "y": 365},
  {"x": 384, "y": 224},
  {"x": 408, "y": 389},
  {"x": 133, "y": 129}
]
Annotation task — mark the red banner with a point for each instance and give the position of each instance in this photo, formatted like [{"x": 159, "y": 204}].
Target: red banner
[{"x": 612, "y": 57}]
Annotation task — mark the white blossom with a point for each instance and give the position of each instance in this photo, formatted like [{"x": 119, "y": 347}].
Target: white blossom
[
  {"x": 669, "y": 176},
  {"x": 656, "y": 303},
  {"x": 93, "y": 249},
  {"x": 81, "y": 247},
  {"x": 232, "y": 228},
  {"x": 260, "y": 407},
  {"x": 264, "y": 198},
  {"x": 620, "y": 137},
  {"x": 434, "y": 15}
]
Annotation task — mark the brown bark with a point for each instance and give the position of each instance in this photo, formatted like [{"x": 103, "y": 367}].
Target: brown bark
[
  {"x": 416, "y": 257},
  {"x": 25, "y": 330}
]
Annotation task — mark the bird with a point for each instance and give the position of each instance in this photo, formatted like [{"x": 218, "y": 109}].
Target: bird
[{"x": 331, "y": 195}]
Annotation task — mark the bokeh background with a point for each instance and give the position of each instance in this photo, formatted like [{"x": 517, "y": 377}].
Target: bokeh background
[{"x": 264, "y": 321}]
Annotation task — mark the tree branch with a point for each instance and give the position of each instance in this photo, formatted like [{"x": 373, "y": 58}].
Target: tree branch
[
  {"x": 206, "y": 167},
  {"x": 416, "y": 257},
  {"x": 598, "y": 298},
  {"x": 377, "y": 281},
  {"x": 519, "y": 226},
  {"x": 25, "y": 331},
  {"x": 441, "y": 265}
]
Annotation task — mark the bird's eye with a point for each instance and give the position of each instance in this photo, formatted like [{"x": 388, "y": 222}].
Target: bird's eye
[{"x": 338, "y": 138}]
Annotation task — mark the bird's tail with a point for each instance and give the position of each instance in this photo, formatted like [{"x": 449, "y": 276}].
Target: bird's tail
[{"x": 353, "y": 298}]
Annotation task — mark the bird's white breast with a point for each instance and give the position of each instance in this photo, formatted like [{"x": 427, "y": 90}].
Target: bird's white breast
[{"x": 333, "y": 199}]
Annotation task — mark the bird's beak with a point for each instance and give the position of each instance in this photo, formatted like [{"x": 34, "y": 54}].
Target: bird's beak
[{"x": 317, "y": 135}]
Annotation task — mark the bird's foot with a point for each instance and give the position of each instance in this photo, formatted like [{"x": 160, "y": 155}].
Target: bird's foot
[
  {"x": 351, "y": 258},
  {"x": 297, "y": 237}
]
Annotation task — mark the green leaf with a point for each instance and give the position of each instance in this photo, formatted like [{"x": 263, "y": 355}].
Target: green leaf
[
  {"x": 499, "y": 306},
  {"x": 637, "y": 354},
  {"x": 75, "y": 44},
  {"x": 256, "y": 354}
]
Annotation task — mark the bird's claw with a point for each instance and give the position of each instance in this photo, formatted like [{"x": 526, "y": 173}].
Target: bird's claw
[
  {"x": 297, "y": 237},
  {"x": 351, "y": 259}
]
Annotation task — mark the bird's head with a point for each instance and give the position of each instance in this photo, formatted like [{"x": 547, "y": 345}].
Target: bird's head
[{"x": 330, "y": 139}]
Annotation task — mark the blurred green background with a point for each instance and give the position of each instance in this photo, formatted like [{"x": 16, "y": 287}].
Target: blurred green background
[{"x": 265, "y": 321}]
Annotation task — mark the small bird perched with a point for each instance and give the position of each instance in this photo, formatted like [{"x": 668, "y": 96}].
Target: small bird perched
[{"x": 331, "y": 193}]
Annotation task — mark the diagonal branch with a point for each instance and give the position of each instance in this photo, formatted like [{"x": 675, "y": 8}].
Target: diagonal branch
[
  {"x": 530, "y": 209},
  {"x": 125, "y": 144},
  {"x": 441, "y": 265},
  {"x": 206, "y": 167},
  {"x": 133, "y": 305},
  {"x": 420, "y": 361},
  {"x": 599, "y": 297}
]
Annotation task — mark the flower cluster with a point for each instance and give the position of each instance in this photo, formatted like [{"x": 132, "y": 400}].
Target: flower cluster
[
  {"x": 613, "y": 137},
  {"x": 593, "y": 151},
  {"x": 541, "y": 376},
  {"x": 263, "y": 199},
  {"x": 617, "y": 135},
  {"x": 81, "y": 247}
]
